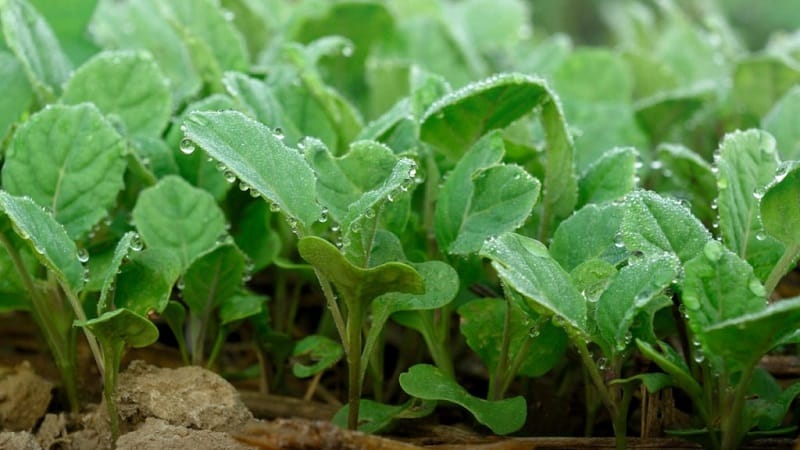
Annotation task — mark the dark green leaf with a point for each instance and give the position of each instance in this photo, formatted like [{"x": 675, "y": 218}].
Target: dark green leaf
[
  {"x": 609, "y": 177},
  {"x": 323, "y": 352},
  {"x": 145, "y": 282},
  {"x": 128, "y": 240},
  {"x": 240, "y": 307},
  {"x": 374, "y": 417},
  {"x": 122, "y": 325},
  {"x": 780, "y": 207},
  {"x": 211, "y": 279},
  {"x": 572, "y": 245},
  {"x": 781, "y": 122}
]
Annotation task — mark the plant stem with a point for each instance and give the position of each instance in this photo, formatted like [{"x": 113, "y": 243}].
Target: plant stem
[
  {"x": 495, "y": 387},
  {"x": 330, "y": 299},
  {"x": 431, "y": 192},
  {"x": 434, "y": 341},
  {"x": 114, "y": 356},
  {"x": 781, "y": 267},
  {"x": 519, "y": 358},
  {"x": 732, "y": 418},
  {"x": 353, "y": 346},
  {"x": 219, "y": 340},
  {"x": 90, "y": 338},
  {"x": 619, "y": 412}
]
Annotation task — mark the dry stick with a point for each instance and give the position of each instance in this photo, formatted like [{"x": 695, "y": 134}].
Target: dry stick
[{"x": 312, "y": 387}]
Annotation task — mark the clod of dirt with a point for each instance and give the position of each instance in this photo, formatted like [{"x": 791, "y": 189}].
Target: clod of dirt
[
  {"x": 190, "y": 397},
  {"x": 53, "y": 430},
  {"x": 21, "y": 440},
  {"x": 156, "y": 434},
  {"x": 24, "y": 397}
]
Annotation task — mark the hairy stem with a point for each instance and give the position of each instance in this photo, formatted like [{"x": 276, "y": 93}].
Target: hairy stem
[
  {"x": 783, "y": 265},
  {"x": 353, "y": 346}
]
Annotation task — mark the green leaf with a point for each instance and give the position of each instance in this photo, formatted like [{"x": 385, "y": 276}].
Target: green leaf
[
  {"x": 609, "y": 177},
  {"x": 671, "y": 362},
  {"x": 769, "y": 408},
  {"x": 759, "y": 81},
  {"x": 323, "y": 352},
  {"x": 525, "y": 265},
  {"x": 429, "y": 383},
  {"x": 719, "y": 286},
  {"x": 755, "y": 333},
  {"x": 69, "y": 22},
  {"x": 78, "y": 160},
  {"x": 127, "y": 84},
  {"x": 481, "y": 198},
  {"x": 746, "y": 164},
  {"x": 31, "y": 39},
  {"x": 481, "y": 324},
  {"x": 572, "y": 245},
  {"x": 128, "y": 240},
  {"x": 47, "y": 238},
  {"x": 174, "y": 215},
  {"x": 374, "y": 416},
  {"x": 357, "y": 285},
  {"x": 240, "y": 307},
  {"x": 635, "y": 287},
  {"x": 174, "y": 314},
  {"x": 779, "y": 207},
  {"x": 256, "y": 237},
  {"x": 457, "y": 120},
  {"x": 660, "y": 114},
  {"x": 781, "y": 122},
  {"x": 136, "y": 25},
  {"x": 254, "y": 154},
  {"x": 653, "y": 224},
  {"x": 18, "y": 94},
  {"x": 122, "y": 325},
  {"x": 145, "y": 283},
  {"x": 687, "y": 176},
  {"x": 653, "y": 382},
  {"x": 211, "y": 279}
]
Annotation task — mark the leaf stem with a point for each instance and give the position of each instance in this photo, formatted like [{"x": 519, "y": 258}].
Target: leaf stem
[
  {"x": 90, "y": 338},
  {"x": 433, "y": 340},
  {"x": 781, "y": 267},
  {"x": 353, "y": 346},
  {"x": 495, "y": 387}
]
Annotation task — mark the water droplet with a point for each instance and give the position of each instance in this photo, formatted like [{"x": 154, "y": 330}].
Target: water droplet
[
  {"x": 636, "y": 254},
  {"x": 180, "y": 284},
  {"x": 83, "y": 255},
  {"x": 347, "y": 51},
  {"x": 228, "y": 15},
  {"x": 602, "y": 363},
  {"x": 713, "y": 251},
  {"x": 86, "y": 275},
  {"x": 254, "y": 193},
  {"x": 534, "y": 332},
  {"x": 758, "y": 193},
  {"x": 780, "y": 174},
  {"x": 656, "y": 165},
  {"x": 714, "y": 204},
  {"x": 278, "y": 132},
  {"x": 355, "y": 227},
  {"x": 756, "y": 287},
  {"x": 412, "y": 172},
  {"x": 369, "y": 213},
  {"x": 244, "y": 187},
  {"x": 335, "y": 228},
  {"x": 136, "y": 243},
  {"x": 760, "y": 236},
  {"x": 323, "y": 217},
  {"x": 230, "y": 177},
  {"x": 274, "y": 207},
  {"x": 619, "y": 242},
  {"x": 187, "y": 146},
  {"x": 390, "y": 197}
]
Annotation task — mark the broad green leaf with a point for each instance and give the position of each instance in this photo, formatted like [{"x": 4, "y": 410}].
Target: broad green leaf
[
  {"x": 18, "y": 94},
  {"x": 128, "y": 240},
  {"x": 653, "y": 224},
  {"x": 634, "y": 288},
  {"x": 240, "y": 307},
  {"x": 719, "y": 286},
  {"x": 155, "y": 156},
  {"x": 145, "y": 282},
  {"x": 136, "y": 25},
  {"x": 525, "y": 265},
  {"x": 781, "y": 122},
  {"x": 211, "y": 279},
  {"x": 508, "y": 24},
  {"x": 122, "y": 325},
  {"x": 662, "y": 113},
  {"x": 769, "y": 406},
  {"x": 671, "y": 362},
  {"x": 653, "y": 382},
  {"x": 31, "y": 39},
  {"x": 747, "y": 162},
  {"x": 609, "y": 177},
  {"x": 322, "y": 353},
  {"x": 47, "y": 238},
  {"x": 429, "y": 383},
  {"x": 255, "y": 236},
  {"x": 572, "y": 244},
  {"x": 357, "y": 285},
  {"x": 13, "y": 292},
  {"x": 259, "y": 99},
  {"x": 540, "y": 345},
  {"x": 174, "y": 215},
  {"x": 592, "y": 277},
  {"x": 780, "y": 207},
  {"x": 755, "y": 332},
  {"x": 174, "y": 315},
  {"x": 760, "y": 81},
  {"x": 195, "y": 166},
  {"x": 78, "y": 160},
  {"x": 688, "y": 176},
  {"x": 127, "y": 84},
  {"x": 457, "y": 120},
  {"x": 69, "y": 21},
  {"x": 255, "y": 155},
  {"x": 374, "y": 417}
]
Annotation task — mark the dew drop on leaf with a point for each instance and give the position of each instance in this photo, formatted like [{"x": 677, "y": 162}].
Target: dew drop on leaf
[
  {"x": 760, "y": 236},
  {"x": 136, "y": 243},
  {"x": 323, "y": 217},
  {"x": 274, "y": 207},
  {"x": 83, "y": 255},
  {"x": 619, "y": 241},
  {"x": 187, "y": 146},
  {"x": 230, "y": 177},
  {"x": 713, "y": 251},
  {"x": 756, "y": 287},
  {"x": 278, "y": 131}
]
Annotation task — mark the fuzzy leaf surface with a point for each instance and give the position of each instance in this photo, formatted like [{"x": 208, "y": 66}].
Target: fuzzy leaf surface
[
  {"x": 610, "y": 177},
  {"x": 572, "y": 245},
  {"x": 145, "y": 282}
]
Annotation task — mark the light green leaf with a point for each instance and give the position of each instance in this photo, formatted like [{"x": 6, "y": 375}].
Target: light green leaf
[
  {"x": 509, "y": 21},
  {"x": 255, "y": 236},
  {"x": 136, "y": 25},
  {"x": 240, "y": 307},
  {"x": 719, "y": 286},
  {"x": 32, "y": 40},
  {"x": 69, "y": 21},
  {"x": 322, "y": 352},
  {"x": 174, "y": 215},
  {"x": 128, "y": 84},
  {"x": 653, "y": 224},
  {"x": 781, "y": 122},
  {"x": 686, "y": 175},
  {"x": 760, "y": 81},
  {"x": 671, "y": 362},
  {"x": 374, "y": 417},
  {"x": 572, "y": 245},
  {"x": 47, "y": 238},
  {"x": 754, "y": 332},
  {"x": 18, "y": 94},
  {"x": 543, "y": 344},
  {"x": 660, "y": 114},
  {"x": 145, "y": 282},
  {"x": 255, "y": 155},
  {"x": 70, "y": 160},
  {"x": 746, "y": 164},
  {"x": 780, "y": 207},
  {"x": 122, "y": 325},
  {"x": 608, "y": 178},
  {"x": 429, "y": 383},
  {"x": 356, "y": 285},
  {"x": 653, "y": 382},
  {"x": 128, "y": 240},
  {"x": 211, "y": 279},
  {"x": 635, "y": 287},
  {"x": 525, "y": 265}
]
